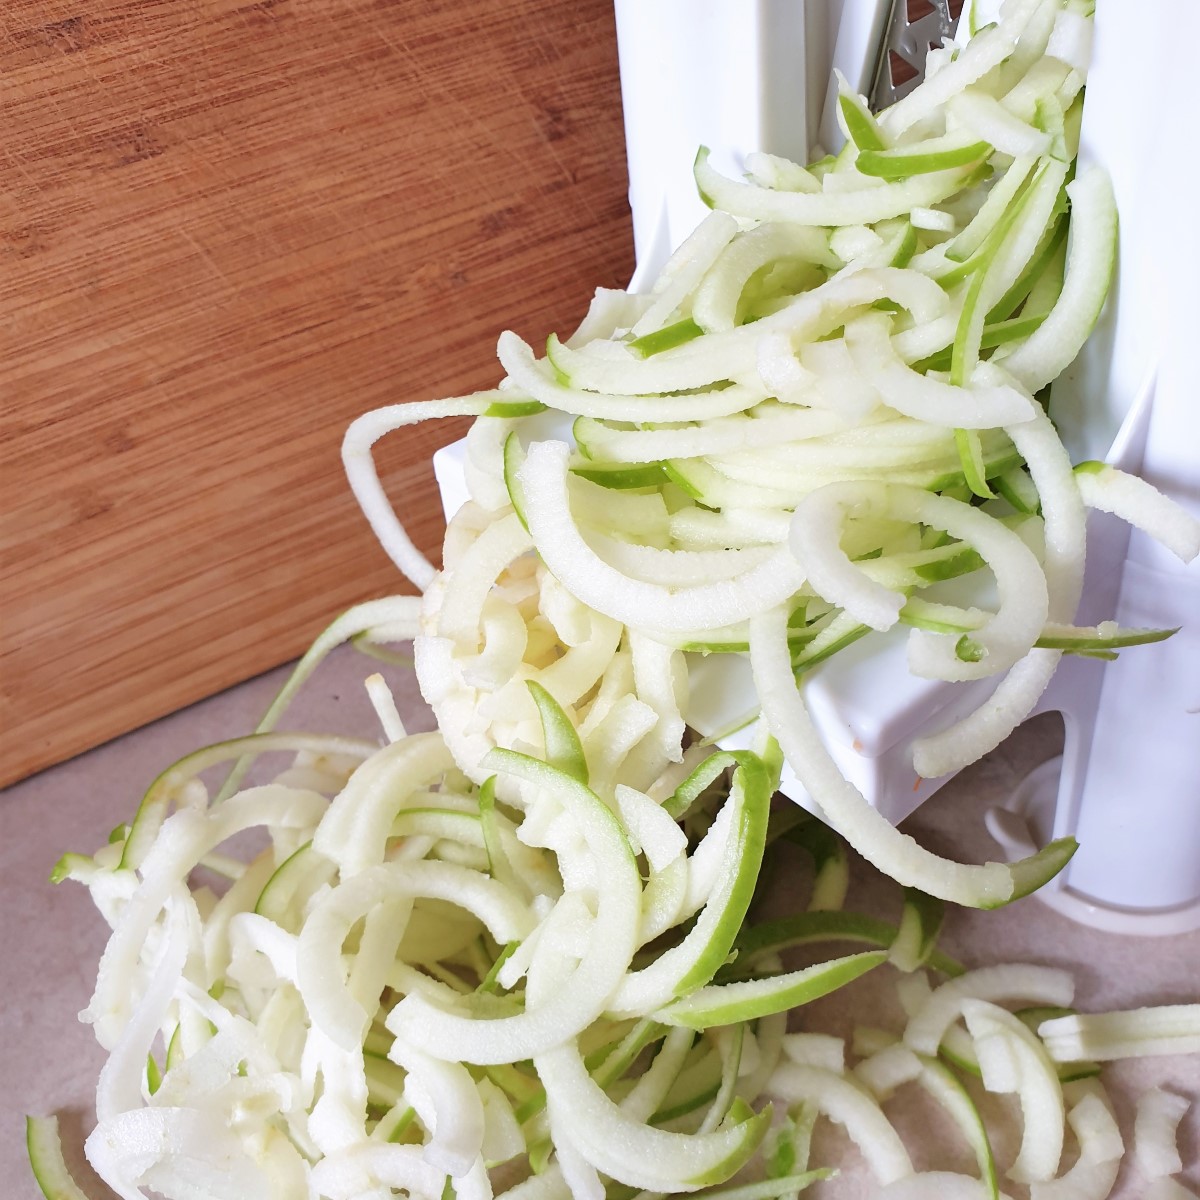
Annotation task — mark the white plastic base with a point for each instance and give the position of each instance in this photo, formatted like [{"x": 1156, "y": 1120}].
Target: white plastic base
[{"x": 1026, "y": 821}]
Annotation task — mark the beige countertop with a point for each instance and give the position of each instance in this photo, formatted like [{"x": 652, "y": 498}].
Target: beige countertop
[{"x": 51, "y": 937}]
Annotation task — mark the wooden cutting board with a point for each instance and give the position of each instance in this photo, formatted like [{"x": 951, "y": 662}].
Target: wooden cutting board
[{"x": 226, "y": 229}]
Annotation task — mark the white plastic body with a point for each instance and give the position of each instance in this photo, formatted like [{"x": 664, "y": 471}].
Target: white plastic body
[
  {"x": 702, "y": 71},
  {"x": 685, "y": 66},
  {"x": 1129, "y": 785}
]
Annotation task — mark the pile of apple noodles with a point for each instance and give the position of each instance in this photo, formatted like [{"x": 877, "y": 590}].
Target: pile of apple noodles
[{"x": 513, "y": 956}]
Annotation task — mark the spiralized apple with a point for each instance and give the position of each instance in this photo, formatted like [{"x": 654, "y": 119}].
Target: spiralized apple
[
  {"x": 811, "y": 394},
  {"x": 512, "y": 956}
]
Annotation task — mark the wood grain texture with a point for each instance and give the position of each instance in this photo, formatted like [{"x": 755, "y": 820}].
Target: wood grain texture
[{"x": 226, "y": 229}]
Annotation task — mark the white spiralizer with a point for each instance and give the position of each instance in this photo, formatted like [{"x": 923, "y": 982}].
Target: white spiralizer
[{"x": 743, "y": 75}]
